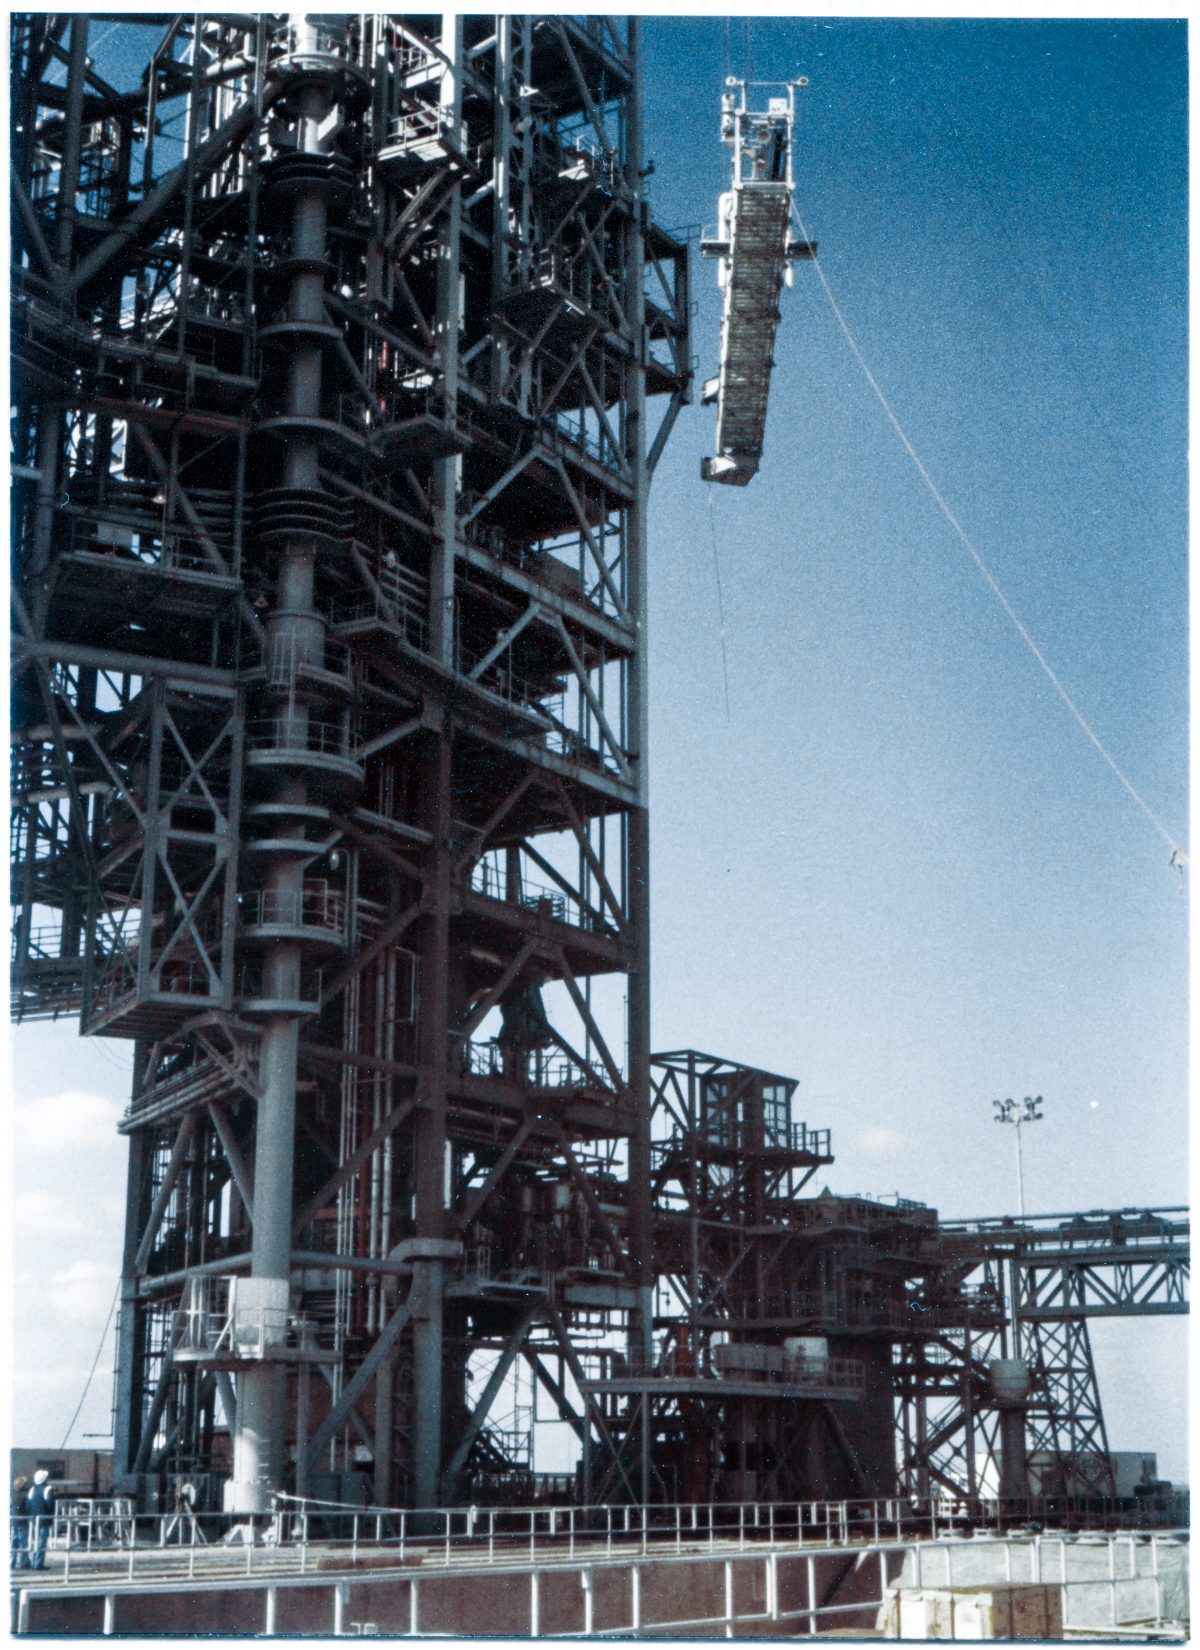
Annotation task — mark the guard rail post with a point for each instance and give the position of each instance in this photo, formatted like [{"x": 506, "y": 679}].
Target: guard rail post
[
  {"x": 1157, "y": 1578},
  {"x": 1112, "y": 1582}
]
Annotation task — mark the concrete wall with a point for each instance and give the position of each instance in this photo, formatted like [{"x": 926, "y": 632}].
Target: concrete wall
[{"x": 497, "y": 1604}]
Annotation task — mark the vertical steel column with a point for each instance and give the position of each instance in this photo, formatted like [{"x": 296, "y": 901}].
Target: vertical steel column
[
  {"x": 130, "y": 1328},
  {"x": 68, "y": 178},
  {"x": 447, "y": 473},
  {"x": 435, "y": 984},
  {"x": 637, "y": 883},
  {"x": 295, "y": 632},
  {"x": 50, "y": 419},
  {"x": 431, "y": 1137}
]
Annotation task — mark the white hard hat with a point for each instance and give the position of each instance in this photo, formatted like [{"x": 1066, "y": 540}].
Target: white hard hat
[{"x": 40, "y": 1476}]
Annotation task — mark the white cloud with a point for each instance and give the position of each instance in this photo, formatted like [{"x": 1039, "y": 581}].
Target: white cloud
[
  {"x": 73, "y": 1121},
  {"x": 82, "y": 1293},
  {"x": 883, "y": 1142},
  {"x": 45, "y": 1220}
]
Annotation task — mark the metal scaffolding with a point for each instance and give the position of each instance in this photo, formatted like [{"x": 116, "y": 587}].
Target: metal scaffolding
[
  {"x": 333, "y": 344},
  {"x": 344, "y": 349}
]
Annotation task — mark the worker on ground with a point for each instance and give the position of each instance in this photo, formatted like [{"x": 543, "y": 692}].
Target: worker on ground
[
  {"x": 16, "y": 1522},
  {"x": 39, "y": 1506}
]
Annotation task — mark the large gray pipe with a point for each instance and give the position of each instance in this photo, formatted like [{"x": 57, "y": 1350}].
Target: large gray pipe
[{"x": 296, "y": 632}]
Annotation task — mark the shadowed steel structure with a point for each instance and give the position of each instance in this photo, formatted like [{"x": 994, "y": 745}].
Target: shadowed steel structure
[{"x": 334, "y": 341}]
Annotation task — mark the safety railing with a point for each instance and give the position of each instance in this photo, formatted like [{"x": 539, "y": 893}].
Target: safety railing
[
  {"x": 317, "y": 906},
  {"x": 401, "y": 603},
  {"x": 732, "y": 1132},
  {"x": 592, "y": 442},
  {"x": 309, "y": 734},
  {"x": 543, "y": 1070},
  {"x": 290, "y": 656},
  {"x": 44, "y": 943},
  {"x": 491, "y": 881},
  {"x": 428, "y": 133},
  {"x": 582, "y": 157},
  {"x": 188, "y": 978},
  {"x": 816, "y": 1141},
  {"x": 1137, "y": 1577},
  {"x": 151, "y": 545},
  {"x": 235, "y": 1316},
  {"x": 409, "y": 59},
  {"x": 309, "y": 37},
  {"x": 542, "y": 694}
]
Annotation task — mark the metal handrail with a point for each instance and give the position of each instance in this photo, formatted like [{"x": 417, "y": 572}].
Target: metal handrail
[
  {"x": 310, "y": 36},
  {"x": 289, "y": 654},
  {"x": 316, "y": 906},
  {"x": 290, "y": 734},
  {"x": 279, "y": 1544}
]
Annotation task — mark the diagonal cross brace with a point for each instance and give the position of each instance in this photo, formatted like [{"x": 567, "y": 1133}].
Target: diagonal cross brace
[
  {"x": 569, "y": 1415},
  {"x": 480, "y": 1195},
  {"x": 589, "y": 853},
  {"x": 589, "y": 693},
  {"x": 174, "y": 1163},
  {"x": 484, "y": 831},
  {"x": 355, "y": 1416},
  {"x": 352, "y": 1164},
  {"x": 390, "y": 936},
  {"x": 354, "y": 1390},
  {"x": 233, "y": 1157},
  {"x": 483, "y": 1408},
  {"x": 576, "y": 1368},
  {"x": 491, "y": 997},
  {"x": 504, "y": 640},
  {"x": 602, "y": 566},
  {"x": 585, "y": 1014}
]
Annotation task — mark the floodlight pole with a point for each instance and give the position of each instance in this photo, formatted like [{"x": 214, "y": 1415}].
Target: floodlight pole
[
  {"x": 1007, "y": 1111},
  {"x": 1020, "y": 1176}
]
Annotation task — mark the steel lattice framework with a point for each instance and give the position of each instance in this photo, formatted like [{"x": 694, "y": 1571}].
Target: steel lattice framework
[
  {"x": 333, "y": 343},
  {"x": 1062, "y": 1271}
]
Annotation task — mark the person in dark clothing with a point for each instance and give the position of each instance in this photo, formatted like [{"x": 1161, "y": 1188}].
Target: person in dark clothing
[
  {"x": 17, "y": 1527},
  {"x": 39, "y": 1506}
]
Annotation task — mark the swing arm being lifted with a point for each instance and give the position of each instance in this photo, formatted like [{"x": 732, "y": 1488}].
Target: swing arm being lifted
[{"x": 754, "y": 260}]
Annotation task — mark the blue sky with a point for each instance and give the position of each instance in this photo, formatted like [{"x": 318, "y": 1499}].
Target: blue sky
[{"x": 898, "y": 871}]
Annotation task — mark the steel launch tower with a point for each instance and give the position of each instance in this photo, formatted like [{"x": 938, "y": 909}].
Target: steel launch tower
[{"x": 337, "y": 344}]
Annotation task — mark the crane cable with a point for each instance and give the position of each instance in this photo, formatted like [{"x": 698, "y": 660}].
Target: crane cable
[
  {"x": 712, "y": 521},
  {"x": 1178, "y": 857},
  {"x": 92, "y": 1371}
]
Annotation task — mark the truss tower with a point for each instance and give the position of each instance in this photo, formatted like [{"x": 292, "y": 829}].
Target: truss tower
[{"x": 334, "y": 340}]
